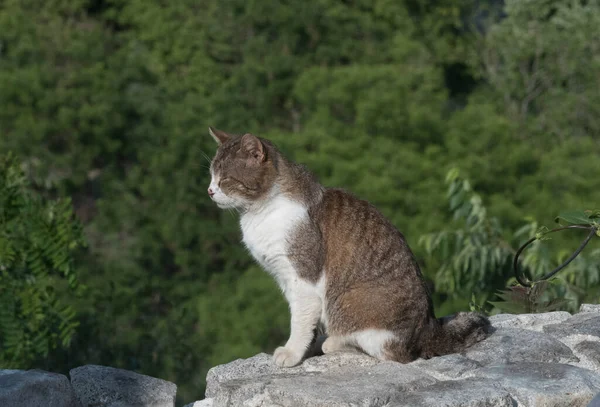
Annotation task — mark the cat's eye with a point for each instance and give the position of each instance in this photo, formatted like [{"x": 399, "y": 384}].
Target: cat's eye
[{"x": 229, "y": 181}]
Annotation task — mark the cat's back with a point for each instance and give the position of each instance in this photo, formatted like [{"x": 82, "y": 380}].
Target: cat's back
[
  {"x": 342, "y": 212},
  {"x": 356, "y": 233}
]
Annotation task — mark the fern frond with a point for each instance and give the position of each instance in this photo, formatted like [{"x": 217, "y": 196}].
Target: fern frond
[{"x": 37, "y": 240}]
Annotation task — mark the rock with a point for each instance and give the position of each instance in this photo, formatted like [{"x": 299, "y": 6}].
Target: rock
[
  {"x": 588, "y": 352},
  {"x": 458, "y": 393},
  {"x": 262, "y": 365},
  {"x": 256, "y": 366},
  {"x": 545, "y": 384},
  {"x": 534, "y": 322},
  {"x": 26, "y": 388},
  {"x": 595, "y": 308},
  {"x": 101, "y": 386},
  {"x": 550, "y": 360},
  {"x": 448, "y": 367},
  {"x": 510, "y": 345},
  {"x": 201, "y": 403},
  {"x": 355, "y": 385},
  {"x": 338, "y": 360},
  {"x": 595, "y": 401},
  {"x": 587, "y": 323}
]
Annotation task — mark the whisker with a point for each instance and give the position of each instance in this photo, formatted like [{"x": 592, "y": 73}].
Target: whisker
[{"x": 205, "y": 156}]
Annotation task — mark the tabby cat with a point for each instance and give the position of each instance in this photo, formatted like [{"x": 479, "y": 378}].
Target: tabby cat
[{"x": 338, "y": 261}]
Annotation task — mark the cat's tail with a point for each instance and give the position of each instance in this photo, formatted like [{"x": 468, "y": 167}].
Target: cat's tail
[{"x": 455, "y": 333}]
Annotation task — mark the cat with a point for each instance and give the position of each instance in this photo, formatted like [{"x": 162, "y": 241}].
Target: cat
[{"x": 339, "y": 262}]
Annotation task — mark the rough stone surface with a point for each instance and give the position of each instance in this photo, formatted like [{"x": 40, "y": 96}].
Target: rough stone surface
[
  {"x": 262, "y": 365},
  {"x": 589, "y": 353},
  {"x": 102, "y": 386},
  {"x": 545, "y": 384},
  {"x": 595, "y": 401},
  {"x": 459, "y": 393},
  {"x": 448, "y": 367},
  {"x": 587, "y": 323},
  {"x": 26, "y": 388},
  {"x": 511, "y": 345},
  {"x": 254, "y": 367},
  {"x": 595, "y": 308},
  {"x": 548, "y": 360},
  {"x": 341, "y": 380},
  {"x": 372, "y": 385},
  {"x": 535, "y": 322},
  {"x": 201, "y": 403}
]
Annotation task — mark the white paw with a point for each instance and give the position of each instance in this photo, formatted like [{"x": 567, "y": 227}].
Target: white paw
[{"x": 286, "y": 357}]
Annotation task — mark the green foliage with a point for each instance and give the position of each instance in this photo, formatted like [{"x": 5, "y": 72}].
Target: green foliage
[
  {"x": 524, "y": 300},
  {"x": 250, "y": 313},
  {"x": 473, "y": 258},
  {"x": 587, "y": 217},
  {"x": 37, "y": 240},
  {"x": 476, "y": 260},
  {"x": 108, "y": 103},
  {"x": 531, "y": 58}
]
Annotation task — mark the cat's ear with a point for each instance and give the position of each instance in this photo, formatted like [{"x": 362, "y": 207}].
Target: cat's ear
[
  {"x": 219, "y": 136},
  {"x": 253, "y": 147}
]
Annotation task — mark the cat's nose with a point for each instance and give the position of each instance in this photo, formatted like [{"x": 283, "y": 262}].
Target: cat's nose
[{"x": 210, "y": 192}]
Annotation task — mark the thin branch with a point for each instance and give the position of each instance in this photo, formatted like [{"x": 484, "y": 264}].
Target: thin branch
[{"x": 593, "y": 230}]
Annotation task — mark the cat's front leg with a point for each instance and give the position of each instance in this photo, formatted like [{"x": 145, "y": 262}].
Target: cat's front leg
[{"x": 305, "y": 307}]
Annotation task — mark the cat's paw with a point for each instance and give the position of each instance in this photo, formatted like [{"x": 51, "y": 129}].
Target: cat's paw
[
  {"x": 286, "y": 357},
  {"x": 333, "y": 344}
]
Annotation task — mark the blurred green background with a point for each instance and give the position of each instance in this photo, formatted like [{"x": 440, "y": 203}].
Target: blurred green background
[{"x": 107, "y": 102}]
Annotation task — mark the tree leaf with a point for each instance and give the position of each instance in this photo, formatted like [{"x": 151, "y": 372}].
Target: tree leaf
[
  {"x": 554, "y": 304},
  {"x": 538, "y": 290},
  {"x": 574, "y": 217}
]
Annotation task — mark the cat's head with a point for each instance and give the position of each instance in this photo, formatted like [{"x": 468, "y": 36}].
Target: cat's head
[{"x": 242, "y": 171}]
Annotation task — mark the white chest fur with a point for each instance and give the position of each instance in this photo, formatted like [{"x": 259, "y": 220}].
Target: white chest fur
[{"x": 267, "y": 232}]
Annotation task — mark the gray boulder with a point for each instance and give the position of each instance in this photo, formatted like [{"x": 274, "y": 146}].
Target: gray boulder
[
  {"x": 262, "y": 365},
  {"x": 102, "y": 386},
  {"x": 545, "y": 384},
  {"x": 459, "y": 393},
  {"x": 201, "y": 403},
  {"x": 366, "y": 385},
  {"x": 534, "y": 360},
  {"x": 595, "y": 308},
  {"x": 587, "y": 323},
  {"x": 534, "y": 322},
  {"x": 589, "y": 354},
  {"x": 27, "y": 388},
  {"x": 448, "y": 367},
  {"x": 256, "y": 366},
  {"x": 512, "y": 345},
  {"x": 595, "y": 401},
  {"x": 343, "y": 379}
]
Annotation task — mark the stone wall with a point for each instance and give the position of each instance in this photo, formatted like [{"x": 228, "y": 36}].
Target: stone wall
[
  {"x": 90, "y": 385},
  {"x": 550, "y": 359}
]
